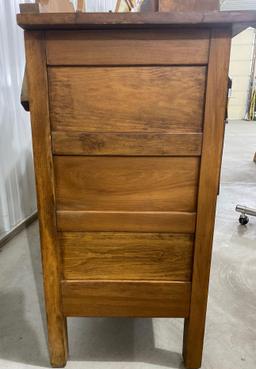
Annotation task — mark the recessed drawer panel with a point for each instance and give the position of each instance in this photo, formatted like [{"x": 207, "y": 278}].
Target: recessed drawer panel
[
  {"x": 127, "y": 256},
  {"x": 112, "y": 47},
  {"x": 127, "y": 99},
  {"x": 126, "y": 183}
]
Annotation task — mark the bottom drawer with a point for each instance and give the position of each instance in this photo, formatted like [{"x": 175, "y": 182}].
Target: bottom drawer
[
  {"x": 126, "y": 298},
  {"x": 127, "y": 256}
]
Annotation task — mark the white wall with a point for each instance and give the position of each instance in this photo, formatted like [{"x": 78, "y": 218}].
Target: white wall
[
  {"x": 237, "y": 4},
  {"x": 241, "y": 60},
  {"x": 240, "y": 72}
]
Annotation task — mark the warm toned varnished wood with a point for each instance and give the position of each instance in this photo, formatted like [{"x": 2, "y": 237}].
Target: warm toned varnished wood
[
  {"x": 149, "y": 99},
  {"x": 120, "y": 221},
  {"x": 114, "y": 48},
  {"x": 118, "y": 110},
  {"x": 188, "y": 5},
  {"x": 135, "y": 20},
  {"x": 134, "y": 256},
  {"x": 127, "y": 144},
  {"x": 126, "y": 183},
  {"x": 208, "y": 188},
  {"x": 37, "y": 76},
  {"x": 126, "y": 298},
  {"x": 55, "y": 6}
]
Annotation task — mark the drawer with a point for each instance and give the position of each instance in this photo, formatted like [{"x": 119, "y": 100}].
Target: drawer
[
  {"x": 127, "y": 99},
  {"x": 126, "y": 256},
  {"x": 135, "y": 47},
  {"x": 129, "y": 184}
]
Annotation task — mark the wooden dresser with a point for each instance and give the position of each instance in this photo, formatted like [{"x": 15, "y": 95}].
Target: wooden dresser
[{"x": 128, "y": 122}]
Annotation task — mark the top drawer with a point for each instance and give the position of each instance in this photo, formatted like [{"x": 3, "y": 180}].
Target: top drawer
[{"x": 129, "y": 47}]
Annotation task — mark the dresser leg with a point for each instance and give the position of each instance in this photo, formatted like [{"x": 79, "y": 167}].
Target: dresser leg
[
  {"x": 193, "y": 340},
  {"x": 57, "y": 340}
]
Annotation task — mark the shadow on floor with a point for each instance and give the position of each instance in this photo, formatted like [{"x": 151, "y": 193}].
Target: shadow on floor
[{"x": 118, "y": 339}]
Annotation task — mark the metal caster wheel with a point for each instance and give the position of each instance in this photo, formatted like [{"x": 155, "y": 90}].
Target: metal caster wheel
[{"x": 243, "y": 219}]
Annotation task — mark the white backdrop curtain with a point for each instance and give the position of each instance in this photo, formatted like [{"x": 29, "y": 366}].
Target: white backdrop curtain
[
  {"x": 100, "y": 5},
  {"x": 17, "y": 193},
  {"x": 238, "y": 4}
]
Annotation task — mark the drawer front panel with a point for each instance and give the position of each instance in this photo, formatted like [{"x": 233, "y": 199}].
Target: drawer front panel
[
  {"x": 126, "y": 298},
  {"x": 126, "y": 183},
  {"x": 127, "y": 99},
  {"x": 133, "y": 47},
  {"x": 127, "y": 256}
]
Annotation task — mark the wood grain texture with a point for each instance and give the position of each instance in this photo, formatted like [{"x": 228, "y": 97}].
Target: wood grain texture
[
  {"x": 55, "y": 6},
  {"x": 138, "y": 20},
  {"x": 126, "y": 183},
  {"x": 120, "y": 221},
  {"x": 126, "y": 298},
  {"x": 188, "y": 5},
  {"x": 127, "y": 256},
  {"x": 127, "y": 144},
  {"x": 208, "y": 188},
  {"x": 144, "y": 99},
  {"x": 161, "y": 47},
  {"x": 37, "y": 76}
]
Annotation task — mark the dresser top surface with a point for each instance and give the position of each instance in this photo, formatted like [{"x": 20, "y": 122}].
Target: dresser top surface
[{"x": 31, "y": 21}]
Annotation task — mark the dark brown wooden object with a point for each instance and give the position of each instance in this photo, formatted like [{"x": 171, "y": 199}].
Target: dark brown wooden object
[
  {"x": 127, "y": 226},
  {"x": 188, "y": 5}
]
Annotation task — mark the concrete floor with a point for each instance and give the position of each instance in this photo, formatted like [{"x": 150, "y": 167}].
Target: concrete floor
[{"x": 230, "y": 341}]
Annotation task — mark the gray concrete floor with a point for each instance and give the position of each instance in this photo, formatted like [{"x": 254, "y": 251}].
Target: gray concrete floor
[{"x": 230, "y": 341}]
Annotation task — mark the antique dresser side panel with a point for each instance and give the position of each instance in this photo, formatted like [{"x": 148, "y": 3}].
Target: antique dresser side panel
[
  {"x": 126, "y": 112},
  {"x": 122, "y": 146}
]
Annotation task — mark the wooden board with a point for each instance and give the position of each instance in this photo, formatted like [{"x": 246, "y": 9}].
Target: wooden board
[
  {"x": 127, "y": 256},
  {"x": 130, "y": 144},
  {"x": 126, "y": 298},
  {"x": 135, "y": 20},
  {"x": 188, "y": 5},
  {"x": 164, "y": 47},
  {"x": 126, "y": 183},
  {"x": 120, "y": 221},
  {"x": 148, "y": 99},
  {"x": 55, "y": 6}
]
